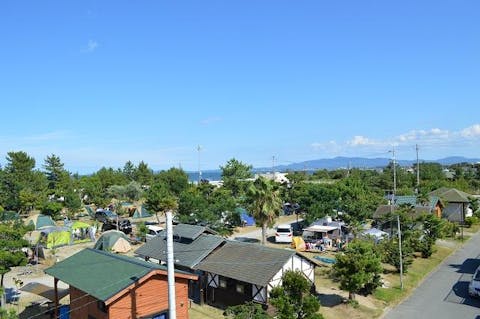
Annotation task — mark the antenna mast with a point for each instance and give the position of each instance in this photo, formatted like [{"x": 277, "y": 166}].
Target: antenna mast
[{"x": 418, "y": 170}]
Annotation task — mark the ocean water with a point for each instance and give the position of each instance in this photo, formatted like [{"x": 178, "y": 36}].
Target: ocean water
[{"x": 208, "y": 175}]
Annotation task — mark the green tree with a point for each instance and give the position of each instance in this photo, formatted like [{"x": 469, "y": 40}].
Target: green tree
[
  {"x": 193, "y": 207},
  {"x": 133, "y": 191},
  {"x": 249, "y": 310},
  {"x": 293, "y": 298},
  {"x": 52, "y": 209},
  {"x": 357, "y": 200},
  {"x": 8, "y": 314},
  {"x": 358, "y": 268},
  {"x": 19, "y": 174},
  {"x": 175, "y": 179},
  {"x": 264, "y": 202},
  {"x": 129, "y": 171},
  {"x": 73, "y": 202},
  {"x": 159, "y": 199},
  {"x": 143, "y": 174},
  {"x": 317, "y": 200},
  {"x": 391, "y": 254},
  {"x": 55, "y": 172},
  {"x": 234, "y": 174},
  {"x": 11, "y": 242}
]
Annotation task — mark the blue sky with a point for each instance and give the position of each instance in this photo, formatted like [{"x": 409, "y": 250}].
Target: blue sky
[{"x": 102, "y": 82}]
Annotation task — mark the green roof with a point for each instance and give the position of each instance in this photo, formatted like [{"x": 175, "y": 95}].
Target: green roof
[
  {"x": 99, "y": 273},
  {"x": 410, "y": 199}
]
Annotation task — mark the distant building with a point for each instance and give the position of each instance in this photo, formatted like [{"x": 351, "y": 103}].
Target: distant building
[{"x": 275, "y": 176}]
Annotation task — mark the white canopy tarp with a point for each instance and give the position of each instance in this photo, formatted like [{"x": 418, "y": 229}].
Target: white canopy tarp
[
  {"x": 321, "y": 228},
  {"x": 377, "y": 233}
]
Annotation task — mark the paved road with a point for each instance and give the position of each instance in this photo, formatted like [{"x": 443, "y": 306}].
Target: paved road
[{"x": 444, "y": 294}]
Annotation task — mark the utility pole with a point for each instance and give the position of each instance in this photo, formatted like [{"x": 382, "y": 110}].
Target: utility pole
[
  {"x": 170, "y": 268},
  {"x": 418, "y": 170},
  {"x": 199, "y": 148},
  {"x": 399, "y": 231},
  {"x": 273, "y": 167}
]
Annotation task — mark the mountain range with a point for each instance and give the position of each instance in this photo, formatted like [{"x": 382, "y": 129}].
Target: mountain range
[
  {"x": 362, "y": 162},
  {"x": 337, "y": 163}
]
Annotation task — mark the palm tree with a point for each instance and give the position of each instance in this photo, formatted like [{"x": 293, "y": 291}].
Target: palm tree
[{"x": 264, "y": 202}]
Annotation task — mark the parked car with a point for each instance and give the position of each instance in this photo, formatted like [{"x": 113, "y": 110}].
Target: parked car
[
  {"x": 284, "y": 233},
  {"x": 109, "y": 220},
  {"x": 474, "y": 285},
  {"x": 152, "y": 231}
]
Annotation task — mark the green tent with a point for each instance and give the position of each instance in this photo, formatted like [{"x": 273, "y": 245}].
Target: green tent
[
  {"x": 108, "y": 239},
  {"x": 141, "y": 213},
  {"x": 58, "y": 238},
  {"x": 90, "y": 211},
  {"x": 79, "y": 225},
  {"x": 38, "y": 221}
]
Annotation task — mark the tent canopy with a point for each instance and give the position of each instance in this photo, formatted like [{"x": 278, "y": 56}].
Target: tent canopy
[
  {"x": 374, "y": 232},
  {"x": 245, "y": 217},
  {"x": 108, "y": 239},
  {"x": 321, "y": 228},
  {"x": 39, "y": 221},
  {"x": 121, "y": 246},
  {"x": 141, "y": 212},
  {"x": 44, "y": 290},
  {"x": 79, "y": 225}
]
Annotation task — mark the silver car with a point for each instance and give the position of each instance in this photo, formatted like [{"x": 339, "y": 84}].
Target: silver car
[{"x": 474, "y": 286}]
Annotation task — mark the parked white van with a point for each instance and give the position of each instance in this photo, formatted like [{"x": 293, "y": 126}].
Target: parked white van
[
  {"x": 283, "y": 233},
  {"x": 152, "y": 231}
]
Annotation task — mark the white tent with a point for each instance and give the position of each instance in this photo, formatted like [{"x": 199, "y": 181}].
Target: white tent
[
  {"x": 121, "y": 246},
  {"x": 377, "y": 234}
]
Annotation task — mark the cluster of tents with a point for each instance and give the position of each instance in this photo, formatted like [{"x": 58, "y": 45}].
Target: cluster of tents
[
  {"x": 51, "y": 235},
  {"x": 47, "y": 232}
]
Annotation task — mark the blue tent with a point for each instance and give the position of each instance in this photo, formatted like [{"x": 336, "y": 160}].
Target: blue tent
[{"x": 246, "y": 218}]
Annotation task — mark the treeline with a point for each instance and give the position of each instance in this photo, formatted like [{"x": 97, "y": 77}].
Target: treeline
[{"x": 356, "y": 193}]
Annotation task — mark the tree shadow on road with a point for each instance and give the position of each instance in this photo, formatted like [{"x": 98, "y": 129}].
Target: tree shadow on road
[{"x": 467, "y": 267}]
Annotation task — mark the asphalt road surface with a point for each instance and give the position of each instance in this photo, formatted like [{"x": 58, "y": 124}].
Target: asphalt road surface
[{"x": 444, "y": 294}]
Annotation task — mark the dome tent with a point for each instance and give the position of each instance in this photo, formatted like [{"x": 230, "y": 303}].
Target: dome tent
[
  {"x": 141, "y": 212},
  {"x": 108, "y": 241},
  {"x": 38, "y": 221}
]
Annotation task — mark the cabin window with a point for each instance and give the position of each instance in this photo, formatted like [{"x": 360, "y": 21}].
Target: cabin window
[
  {"x": 240, "y": 288},
  {"x": 223, "y": 282}
]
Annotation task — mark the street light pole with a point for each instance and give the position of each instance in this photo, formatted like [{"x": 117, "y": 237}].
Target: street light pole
[{"x": 399, "y": 231}]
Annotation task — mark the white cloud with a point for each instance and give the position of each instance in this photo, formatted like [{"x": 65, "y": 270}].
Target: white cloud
[
  {"x": 92, "y": 45},
  {"x": 471, "y": 132},
  {"x": 433, "y": 139},
  {"x": 360, "y": 140}
]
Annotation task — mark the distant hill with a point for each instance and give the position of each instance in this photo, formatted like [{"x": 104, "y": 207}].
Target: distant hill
[
  {"x": 362, "y": 162},
  {"x": 337, "y": 163}
]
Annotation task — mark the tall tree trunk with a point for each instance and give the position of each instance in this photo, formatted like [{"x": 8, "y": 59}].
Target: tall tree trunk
[
  {"x": 264, "y": 233},
  {"x": 2, "y": 293}
]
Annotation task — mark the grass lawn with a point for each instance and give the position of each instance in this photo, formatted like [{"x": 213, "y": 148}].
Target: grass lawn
[
  {"x": 199, "y": 312},
  {"x": 416, "y": 273}
]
